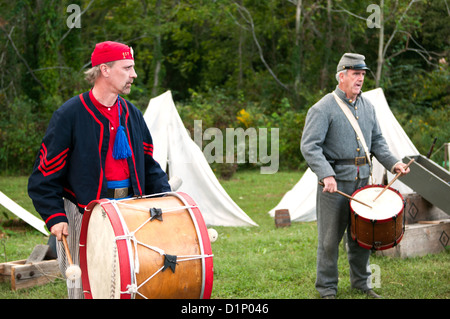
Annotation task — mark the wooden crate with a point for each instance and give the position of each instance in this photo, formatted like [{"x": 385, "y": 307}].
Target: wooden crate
[
  {"x": 22, "y": 275},
  {"x": 422, "y": 238},
  {"x": 38, "y": 269},
  {"x": 418, "y": 209}
]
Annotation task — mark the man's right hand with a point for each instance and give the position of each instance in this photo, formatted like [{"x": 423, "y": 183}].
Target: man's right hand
[
  {"x": 330, "y": 184},
  {"x": 59, "y": 230}
]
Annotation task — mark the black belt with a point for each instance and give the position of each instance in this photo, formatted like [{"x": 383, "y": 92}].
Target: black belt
[
  {"x": 119, "y": 192},
  {"x": 357, "y": 161}
]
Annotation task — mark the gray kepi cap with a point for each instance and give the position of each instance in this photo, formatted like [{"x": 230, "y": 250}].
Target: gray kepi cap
[{"x": 353, "y": 61}]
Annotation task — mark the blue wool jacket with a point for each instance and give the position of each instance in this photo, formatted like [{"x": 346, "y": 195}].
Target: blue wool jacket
[{"x": 71, "y": 160}]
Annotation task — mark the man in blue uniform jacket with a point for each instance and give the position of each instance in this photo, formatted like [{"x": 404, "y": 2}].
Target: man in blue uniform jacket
[{"x": 97, "y": 145}]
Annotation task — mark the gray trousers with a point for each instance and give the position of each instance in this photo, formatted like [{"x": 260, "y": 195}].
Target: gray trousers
[{"x": 333, "y": 218}]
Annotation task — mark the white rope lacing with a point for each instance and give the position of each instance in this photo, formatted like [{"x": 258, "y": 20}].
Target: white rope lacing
[
  {"x": 133, "y": 288},
  {"x": 147, "y": 209}
]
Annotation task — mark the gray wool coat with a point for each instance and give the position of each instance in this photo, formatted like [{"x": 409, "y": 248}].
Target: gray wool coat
[{"x": 329, "y": 136}]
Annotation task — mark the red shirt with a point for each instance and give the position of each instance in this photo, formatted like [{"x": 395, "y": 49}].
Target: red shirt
[{"x": 115, "y": 170}]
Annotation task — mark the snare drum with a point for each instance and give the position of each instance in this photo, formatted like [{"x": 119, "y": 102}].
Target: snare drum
[
  {"x": 150, "y": 247},
  {"x": 382, "y": 226}
]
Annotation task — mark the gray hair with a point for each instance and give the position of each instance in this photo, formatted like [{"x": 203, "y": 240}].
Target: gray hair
[
  {"x": 337, "y": 74},
  {"x": 93, "y": 73}
]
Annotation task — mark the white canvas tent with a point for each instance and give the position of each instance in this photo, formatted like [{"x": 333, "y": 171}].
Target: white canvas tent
[
  {"x": 301, "y": 199},
  {"x": 174, "y": 148}
]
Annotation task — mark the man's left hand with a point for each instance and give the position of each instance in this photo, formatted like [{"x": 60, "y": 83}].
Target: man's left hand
[{"x": 401, "y": 168}]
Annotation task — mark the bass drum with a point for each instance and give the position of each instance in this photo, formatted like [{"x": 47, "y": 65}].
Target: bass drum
[{"x": 150, "y": 247}]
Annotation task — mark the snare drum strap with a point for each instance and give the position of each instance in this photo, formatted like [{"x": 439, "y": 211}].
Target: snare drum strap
[{"x": 355, "y": 126}]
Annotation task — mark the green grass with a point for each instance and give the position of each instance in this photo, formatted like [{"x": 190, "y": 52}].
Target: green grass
[
  {"x": 254, "y": 262},
  {"x": 270, "y": 262}
]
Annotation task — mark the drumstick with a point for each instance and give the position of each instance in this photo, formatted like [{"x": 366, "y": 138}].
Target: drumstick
[
  {"x": 348, "y": 196},
  {"x": 393, "y": 180},
  {"x": 73, "y": 272}
]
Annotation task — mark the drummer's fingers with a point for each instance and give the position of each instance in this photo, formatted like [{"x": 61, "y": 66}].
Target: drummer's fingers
[
  {"x": 330, "y": 187},
  {"x": 404, "y": 169},
  {"x": 59, "y": 230}
]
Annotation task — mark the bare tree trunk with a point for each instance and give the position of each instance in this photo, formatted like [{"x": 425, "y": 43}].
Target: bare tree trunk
[
  {"x": 246, "y": 15},
  {"x": 158, "y": 51},
  {"x": 328, "y": 46},
  {"x": 241, "y": 43},
  {"x": 382, "y": 48},
  {"x": 240, "y": 75},
  {"x": 380, "y": 60},
  {"x": 297, "y": 58}
]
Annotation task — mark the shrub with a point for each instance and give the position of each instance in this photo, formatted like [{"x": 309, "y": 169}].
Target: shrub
[{"x": 20, "y": 135}]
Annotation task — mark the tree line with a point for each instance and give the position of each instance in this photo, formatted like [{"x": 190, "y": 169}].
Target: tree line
[{"x": 230, "y": 63}]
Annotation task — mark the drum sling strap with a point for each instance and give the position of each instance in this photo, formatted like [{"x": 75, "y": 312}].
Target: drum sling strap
[{"x": 354, "y": 124}]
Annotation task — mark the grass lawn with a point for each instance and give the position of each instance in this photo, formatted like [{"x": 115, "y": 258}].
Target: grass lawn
[{"x": 261, "y": 262}]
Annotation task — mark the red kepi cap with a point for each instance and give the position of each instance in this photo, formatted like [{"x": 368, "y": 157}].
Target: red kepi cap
[{"x": 109, "y": 51}]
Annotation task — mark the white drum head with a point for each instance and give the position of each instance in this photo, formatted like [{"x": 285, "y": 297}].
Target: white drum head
[
  {"x": 102, "y": 257},
  {"x": 388, "y": 205}
]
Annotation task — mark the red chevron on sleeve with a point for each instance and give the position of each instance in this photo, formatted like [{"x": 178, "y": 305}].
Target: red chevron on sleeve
[
  {"x": 148, "y": 149},
  {"x": 51, "y": 166}
]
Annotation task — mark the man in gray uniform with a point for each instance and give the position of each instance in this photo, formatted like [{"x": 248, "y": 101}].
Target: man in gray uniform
[{"x": 335, "y": 154}]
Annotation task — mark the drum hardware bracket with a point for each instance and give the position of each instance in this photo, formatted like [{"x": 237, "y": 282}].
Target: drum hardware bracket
[
  {"x": 376, "y": 244},
  {"x": 170, "y": 261},
  {"x": 156, "y": 213}
]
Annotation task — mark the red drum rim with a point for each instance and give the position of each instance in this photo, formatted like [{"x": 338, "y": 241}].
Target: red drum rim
[
  {"x": 384, "y": 247},
  {"x": 202, "y": 234},
  {"x": 122, "y": 249}
]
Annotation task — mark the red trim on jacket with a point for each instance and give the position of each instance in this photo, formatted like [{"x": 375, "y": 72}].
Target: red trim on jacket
[
  {"x": 49, "y": 167},
  {"x": 55, "y": 215},
  {"x": 148, "y": 149},
  {"x": 100, "y": 182},
  {"x": 69, "y": 191},
  {"x": 115, "y": 169},
  {"x": 131, "y": 147}
]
